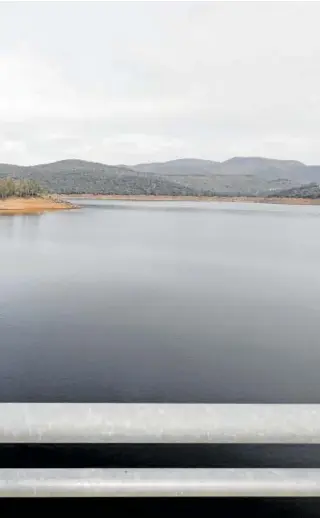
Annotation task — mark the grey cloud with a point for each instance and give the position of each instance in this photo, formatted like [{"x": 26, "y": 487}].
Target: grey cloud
[{"x": 123, "y": 82}]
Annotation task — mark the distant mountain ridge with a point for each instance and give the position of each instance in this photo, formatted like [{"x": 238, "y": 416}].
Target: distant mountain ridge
[
  {"x": 180, "y": 177},
  {"x": 238, "y": 175},
  {"x": 234, "y": 166}
]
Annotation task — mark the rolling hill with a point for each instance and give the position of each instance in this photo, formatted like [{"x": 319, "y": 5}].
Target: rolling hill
[
  {"x": 81, "y": 177},
  {"x": 238, "y": 175},
  {"x": 182, "y": 177}
]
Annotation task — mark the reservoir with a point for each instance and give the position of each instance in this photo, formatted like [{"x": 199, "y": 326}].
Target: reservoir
[{"x": 161, "y": 302}]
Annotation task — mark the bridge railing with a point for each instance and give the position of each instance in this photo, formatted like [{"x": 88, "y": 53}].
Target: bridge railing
[{"x": 73, "y": 423}]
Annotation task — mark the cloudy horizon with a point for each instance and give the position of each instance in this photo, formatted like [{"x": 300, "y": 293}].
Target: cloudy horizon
[{"x": 137, "y": 82}]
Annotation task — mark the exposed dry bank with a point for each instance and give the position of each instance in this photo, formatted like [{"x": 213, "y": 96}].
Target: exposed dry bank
[
  {"x": 230, "y": 199},
  {"x": 34, "y": 205}
]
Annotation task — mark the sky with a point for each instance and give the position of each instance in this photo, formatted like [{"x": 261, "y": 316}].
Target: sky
[{"x": 123, "y": 83}]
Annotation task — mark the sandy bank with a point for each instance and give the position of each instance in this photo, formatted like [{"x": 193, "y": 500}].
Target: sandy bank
[
  {"x": 229, "y": 199},
  {"x": 32, "y": 205}
]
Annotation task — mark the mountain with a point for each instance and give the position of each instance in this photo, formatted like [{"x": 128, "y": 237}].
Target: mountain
[
  {"x": 182, "y": 177},
  {"x": 78, "y": 177},
  {"x": 267, "y": 167},
  {"x": 181, "y": 166},
  {"x": 238, "y": 175}
]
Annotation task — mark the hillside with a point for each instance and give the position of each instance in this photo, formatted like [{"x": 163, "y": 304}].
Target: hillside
[
  {"x": 238, "y": 175},
  {"x": 182, "y": 177},
  {"x": 182, "y": 166},
  {"x": 311, "y": 190},
  {"x": 77, "y": 177}
]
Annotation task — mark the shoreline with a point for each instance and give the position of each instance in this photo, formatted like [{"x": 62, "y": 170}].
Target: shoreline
[
  {"x": 35, "y": 205},
  {"x": 216, "y": 199}
]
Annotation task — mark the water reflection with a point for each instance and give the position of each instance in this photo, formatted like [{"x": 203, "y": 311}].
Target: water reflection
[
  {"x": 17, "y": 227},
  {"x": 184, "y": 305}
]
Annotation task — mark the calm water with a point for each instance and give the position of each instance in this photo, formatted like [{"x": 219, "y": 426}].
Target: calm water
[{"x": 171, "y": 302}]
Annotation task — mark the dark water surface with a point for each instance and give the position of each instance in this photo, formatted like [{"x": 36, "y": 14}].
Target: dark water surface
[{"x": 170, "y": 302}]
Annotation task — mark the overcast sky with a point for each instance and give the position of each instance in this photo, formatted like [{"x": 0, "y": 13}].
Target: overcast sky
[{"x": 130, "y": 82}]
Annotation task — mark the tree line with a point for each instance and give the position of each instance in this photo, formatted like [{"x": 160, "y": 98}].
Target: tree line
[
  {"x": 310, "y": 190},
  {"x": 19, "y": 188}
]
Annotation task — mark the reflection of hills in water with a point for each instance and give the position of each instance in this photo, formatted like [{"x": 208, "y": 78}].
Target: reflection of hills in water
[
  {"x": 21, "y": 226},
  {"x": 237, "y": 176}
]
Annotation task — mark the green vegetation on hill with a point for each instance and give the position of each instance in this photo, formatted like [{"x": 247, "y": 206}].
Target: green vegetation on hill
[
  {"x": 19, "y": 188},
  {"x": 239, "y": 176},
  {"x": 311, "y": 190},
  {"x": 80, "y": 177}
]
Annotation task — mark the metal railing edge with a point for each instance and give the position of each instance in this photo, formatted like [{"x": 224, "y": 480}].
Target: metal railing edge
[
  {"x": 159, "y": 423},
  {"x": 166, "y": 482}
]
